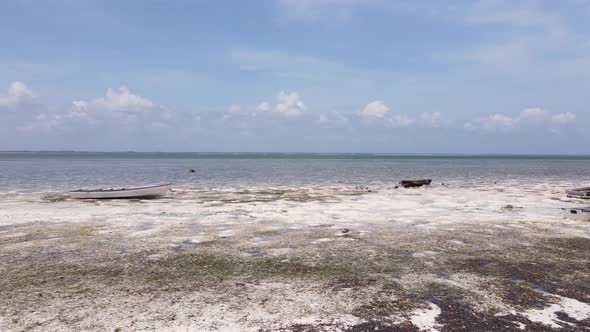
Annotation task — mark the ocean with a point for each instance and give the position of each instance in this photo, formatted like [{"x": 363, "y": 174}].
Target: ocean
[{"x": 62, "y": 171}]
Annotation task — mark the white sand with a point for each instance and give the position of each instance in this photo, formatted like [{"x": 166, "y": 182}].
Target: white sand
[
  {"x": 425, "y": 319},
  {"x": 548, "y": 315},
  {"x": 285, "y": 222}
]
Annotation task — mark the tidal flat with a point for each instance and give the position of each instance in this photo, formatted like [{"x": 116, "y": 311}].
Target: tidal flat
[{"x": 296, "y": 259}]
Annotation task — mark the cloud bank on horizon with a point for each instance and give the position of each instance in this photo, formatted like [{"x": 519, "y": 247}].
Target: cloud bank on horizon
[{"x": 484, "y": 76}]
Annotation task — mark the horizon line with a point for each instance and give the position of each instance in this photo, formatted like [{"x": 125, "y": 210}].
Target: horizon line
[{"x": 299, "y": 153}]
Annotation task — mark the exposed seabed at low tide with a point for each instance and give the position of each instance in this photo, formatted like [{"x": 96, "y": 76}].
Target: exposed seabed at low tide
[{"x": 297, "y": 259}]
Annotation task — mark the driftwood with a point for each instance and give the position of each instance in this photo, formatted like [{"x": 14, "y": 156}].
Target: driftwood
[{"x": 414, "y": 183}]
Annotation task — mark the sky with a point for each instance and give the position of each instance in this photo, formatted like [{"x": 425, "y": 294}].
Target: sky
[{"x": 377, "y": 76}]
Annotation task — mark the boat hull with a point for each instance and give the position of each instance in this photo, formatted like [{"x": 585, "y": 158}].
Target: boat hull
[
  {"x": 415, "y": 183},
  {"x": 582, "y": 214},
  {"x": 141, "y": 192},
  {"x": 583, "y": 193}
]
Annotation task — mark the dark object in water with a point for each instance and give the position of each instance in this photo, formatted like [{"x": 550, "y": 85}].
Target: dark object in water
[
  {"x": 579, "y": 193},
  {"x": 191, "y": 170},
  {"x": 362, "y": 188},
  {"x": 511, "y": 207},
  {"x": 415, "y": 183}
]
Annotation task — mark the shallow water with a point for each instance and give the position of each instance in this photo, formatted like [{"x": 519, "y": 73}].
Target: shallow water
[
  {"x": 464, "y": 188},
  {"x": 37, "y": 172}
]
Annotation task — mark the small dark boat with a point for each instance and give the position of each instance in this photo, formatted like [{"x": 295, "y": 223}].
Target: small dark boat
[
  {"x": 579, "y": 193},
  {"x": 415, "y": 183}
]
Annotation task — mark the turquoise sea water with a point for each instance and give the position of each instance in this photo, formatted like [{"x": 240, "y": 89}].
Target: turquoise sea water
[{"x": 56, "y": 171}]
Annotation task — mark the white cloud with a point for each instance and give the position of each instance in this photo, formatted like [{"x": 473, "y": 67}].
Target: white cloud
[
  {"x": 493, "y": 122},
  {"x": 263, "y": 107},
  {"x": 379, "y": 110},
  {"x": 540, "y": 116},
  {"x": 396, "y": 121},
  {"x": 375, "y": 109},
  {"x": 119, "y": 100},
  {"x": 469, "y": 126},
  {"x": 290, "y": 104},
  {"x": 323, "y": 119},
  {"x": 18, "y": 94},
  {"x": 432, "y": 119},
  {"x": 44, "y": 122},
  {"x": 535, "y": 116},
  {"x": 234, "y": 108},
  {"x": 533, "y": 113},
  {"x": 563, "y": 118},
  {"x": 499, "y": 120},
  {"x": 118, "y": 110},
  {"x": 20, "y": 90},
  {"x": 332, "y": 118},
  {"x": 339, "y": 117}
]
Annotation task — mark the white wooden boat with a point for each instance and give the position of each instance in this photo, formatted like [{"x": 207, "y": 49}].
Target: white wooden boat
[
  {"x": 138, "y": 192},
  {"x": 579, "y": 193},
  {"x": 582, "y": 214}
]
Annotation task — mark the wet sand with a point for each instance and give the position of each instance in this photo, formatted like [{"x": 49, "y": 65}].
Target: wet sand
[{"x": 299, "y": 259}]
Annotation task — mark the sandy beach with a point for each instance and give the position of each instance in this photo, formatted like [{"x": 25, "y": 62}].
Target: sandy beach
[
  {"x": 294, "y": 166},
  {"x": 442, "y": 258}
]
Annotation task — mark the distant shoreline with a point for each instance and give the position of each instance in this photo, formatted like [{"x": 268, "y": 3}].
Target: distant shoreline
[{"x": 313, "y": 155}]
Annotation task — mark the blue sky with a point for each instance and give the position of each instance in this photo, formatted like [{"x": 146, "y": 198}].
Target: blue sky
[{"x": 481, "y": 76}]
